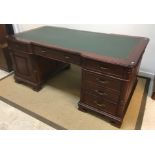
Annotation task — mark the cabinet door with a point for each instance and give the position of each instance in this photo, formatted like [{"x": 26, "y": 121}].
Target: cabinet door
[{"x": 24, "y": 66}]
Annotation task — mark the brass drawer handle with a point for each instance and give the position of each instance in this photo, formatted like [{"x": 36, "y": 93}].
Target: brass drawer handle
[
  {"x": 103, "y": 68},
  {"x": 100, "y": 104},
  {"x": 43, "y": 51},
  {"x": 102, "y": 81},
  {"x": 101, "y": 93},
  {"x": 67, "y": 57}
]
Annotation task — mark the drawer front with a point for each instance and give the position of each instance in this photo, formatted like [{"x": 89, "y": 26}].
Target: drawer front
[
  {"x": 58, "y": 55},
  {"x": 104, "y": 68},
  {"x": 99, "y": 103},
  {"x": 101, "y": 81},
  {"x": 19, "y": 46},
  {"x": 106, "y": 93}
]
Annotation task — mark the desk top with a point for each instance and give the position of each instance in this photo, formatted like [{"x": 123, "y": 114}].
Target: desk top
[{"x": 113, "y": 46}]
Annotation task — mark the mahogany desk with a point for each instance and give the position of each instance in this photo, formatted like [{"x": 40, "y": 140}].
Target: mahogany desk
[{"x": 109, "y": 65}]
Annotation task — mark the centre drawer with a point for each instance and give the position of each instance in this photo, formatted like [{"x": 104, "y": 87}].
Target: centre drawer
[
  {"x": 99, "y": 103},
  {"x": 56, "y": 54},
  {"x": 91, "y": 78}
]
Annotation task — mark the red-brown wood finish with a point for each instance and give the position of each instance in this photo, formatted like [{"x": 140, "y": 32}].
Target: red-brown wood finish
[
  {"x": 107, "y": 84},
  {"x": 5, "y": 60}
]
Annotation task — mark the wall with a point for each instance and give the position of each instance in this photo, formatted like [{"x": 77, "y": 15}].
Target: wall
[{"x": 148, "y": 62}]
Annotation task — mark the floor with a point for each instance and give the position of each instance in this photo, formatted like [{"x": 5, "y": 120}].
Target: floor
[
  {"x": 13, "y": 119},
  {"x": 3, "y": 74},
  {"x": 149, "y": 115}
]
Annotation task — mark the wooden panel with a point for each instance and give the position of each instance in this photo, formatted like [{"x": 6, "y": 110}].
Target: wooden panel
[
  {"x": 3, "y": 33},
  {"x": 23, "y": 66},
  {"x": 2, "y": 59},
  {"x": 5, "y": 60}
]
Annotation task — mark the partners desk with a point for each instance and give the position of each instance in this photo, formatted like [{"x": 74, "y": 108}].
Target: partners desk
[{"x": 109, "y": 65}]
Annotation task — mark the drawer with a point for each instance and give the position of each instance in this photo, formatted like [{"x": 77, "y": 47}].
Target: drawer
[
  {"x": 99, "y": 103},
  {"x": 106, "y": 93},
  {"x": 91, "y": 78},
  {"x": 19, "y": 46},
  {"x": 104, "y": 68},
  {"x": 58, "y": 55}
]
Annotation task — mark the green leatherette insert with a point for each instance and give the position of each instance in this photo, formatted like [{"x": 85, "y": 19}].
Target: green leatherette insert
[{"x": 103, "y": 44}]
